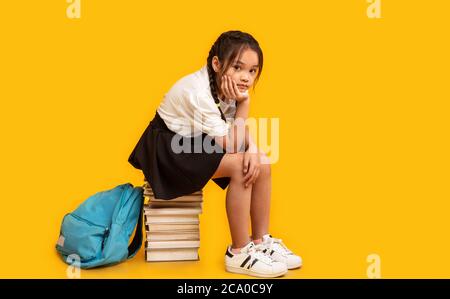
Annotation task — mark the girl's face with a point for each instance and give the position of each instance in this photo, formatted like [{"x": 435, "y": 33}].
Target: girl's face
[{"x": 243, "y": 70}]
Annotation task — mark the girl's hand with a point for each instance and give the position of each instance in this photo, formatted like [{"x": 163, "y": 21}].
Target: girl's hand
[
  {"x": 231, "y": 91},
  {"x": 251, "y": 167}
]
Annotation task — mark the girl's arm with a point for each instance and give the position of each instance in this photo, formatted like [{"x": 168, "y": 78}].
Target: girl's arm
[
  {"x": 238, "y": 135},
  {"x": 234, "y": 141},
  {"x": 250, "y": 145}
]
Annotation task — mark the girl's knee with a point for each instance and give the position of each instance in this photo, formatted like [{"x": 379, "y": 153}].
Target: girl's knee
[{"x": 237, "y": 167}]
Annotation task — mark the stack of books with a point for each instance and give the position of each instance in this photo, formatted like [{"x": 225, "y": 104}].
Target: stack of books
[{"x": 172, "y": 226}]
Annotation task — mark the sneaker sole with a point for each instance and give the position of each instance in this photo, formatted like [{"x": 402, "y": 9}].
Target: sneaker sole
[
  {"x": 295, "y": 267},
  {"x": 248, "y": 272}
]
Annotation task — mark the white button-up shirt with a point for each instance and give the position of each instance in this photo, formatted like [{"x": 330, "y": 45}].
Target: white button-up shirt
[{"x": 188, "y": 108}]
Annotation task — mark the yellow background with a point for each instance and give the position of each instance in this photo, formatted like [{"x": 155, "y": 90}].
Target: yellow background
[{"x": 364, "y": 120}]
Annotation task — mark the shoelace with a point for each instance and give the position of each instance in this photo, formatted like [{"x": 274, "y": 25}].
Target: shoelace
[
  {"x": 284, "y": 249},
  {"x": 256, "y": 252}
]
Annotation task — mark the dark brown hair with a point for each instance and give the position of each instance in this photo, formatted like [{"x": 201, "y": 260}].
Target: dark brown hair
[{"x": 227, "y": 47}]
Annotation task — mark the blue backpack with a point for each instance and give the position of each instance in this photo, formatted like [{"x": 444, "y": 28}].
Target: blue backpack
[{"x": 98, "y": 232}]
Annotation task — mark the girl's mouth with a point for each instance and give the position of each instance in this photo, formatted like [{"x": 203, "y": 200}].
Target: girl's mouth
[{"x": 240, "y": 86}]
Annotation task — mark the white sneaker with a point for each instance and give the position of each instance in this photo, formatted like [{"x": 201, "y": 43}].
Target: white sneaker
[
  {"x": 253, "y": 262},
  {"x": 275, "y": 248}
]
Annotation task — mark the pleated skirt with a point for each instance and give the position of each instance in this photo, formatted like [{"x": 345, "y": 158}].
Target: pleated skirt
[{"x": 172, "y": 173}]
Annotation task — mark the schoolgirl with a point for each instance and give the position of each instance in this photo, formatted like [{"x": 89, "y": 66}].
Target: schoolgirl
[{"x": 202, "y": 108}]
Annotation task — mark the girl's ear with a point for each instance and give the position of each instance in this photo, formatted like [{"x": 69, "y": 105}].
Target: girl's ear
[{"x": 216, "y": 64}]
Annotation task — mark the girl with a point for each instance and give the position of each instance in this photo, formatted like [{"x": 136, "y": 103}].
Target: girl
[{"x": 194, "y": 137}]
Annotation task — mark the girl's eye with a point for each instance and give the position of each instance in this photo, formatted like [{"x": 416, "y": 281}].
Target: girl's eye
[
  {"x": 254, "y": 71},
  {"x": 237, "y": 67}
]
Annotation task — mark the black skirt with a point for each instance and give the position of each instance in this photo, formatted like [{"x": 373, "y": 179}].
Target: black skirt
[{"x": 172, "y": 173}]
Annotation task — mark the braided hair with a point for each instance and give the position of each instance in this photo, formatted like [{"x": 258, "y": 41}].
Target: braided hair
[{"x": 227, "y": 47}]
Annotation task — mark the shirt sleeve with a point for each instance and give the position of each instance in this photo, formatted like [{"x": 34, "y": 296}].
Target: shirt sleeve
[{"x": 207, "y": 116}]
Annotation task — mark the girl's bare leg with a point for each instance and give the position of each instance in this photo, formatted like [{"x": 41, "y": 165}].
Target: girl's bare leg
[
  {"x": 260, "y": 202},
  {"x": 237, "y": 199}
]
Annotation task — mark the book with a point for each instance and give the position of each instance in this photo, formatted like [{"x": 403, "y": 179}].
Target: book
[
  {"x": 173, "y": 236},
  {"x": 172, "y": 226},
  {"x": 174, "y": 204},
  {"x": 172, "y": 244},
  {"x": 189, "y": 198},
  {"x": 149, "y": 192},
  {"x": 177, "y": 254},
  {"x": 159, "y": 211},
  {"x": 188, "y": 219},
  {"x": 164, "y": 227}
]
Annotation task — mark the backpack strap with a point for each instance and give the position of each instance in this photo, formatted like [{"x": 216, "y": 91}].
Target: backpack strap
[{"x": 135, "y": 245}]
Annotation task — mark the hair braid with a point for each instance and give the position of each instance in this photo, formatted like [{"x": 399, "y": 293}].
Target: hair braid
[{"x": 212, "y": 81}]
